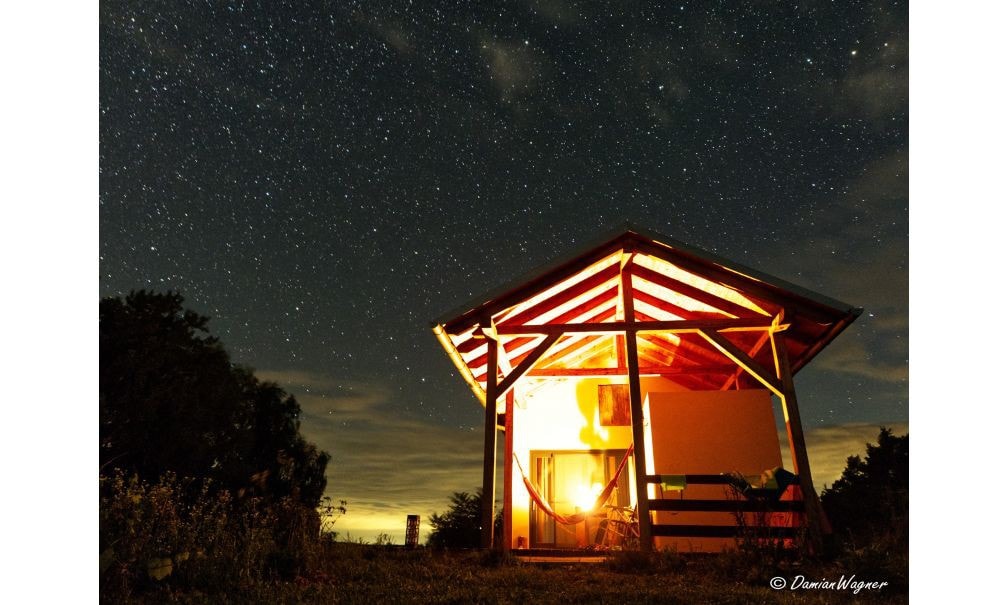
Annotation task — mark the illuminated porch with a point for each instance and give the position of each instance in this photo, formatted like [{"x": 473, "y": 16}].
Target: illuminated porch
[{"x": 660, "y": 318}]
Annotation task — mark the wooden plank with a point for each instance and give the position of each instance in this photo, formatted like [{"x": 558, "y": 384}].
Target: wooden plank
[
  {"x": 818, "y": 523},
  {"x": 636, "y": 416},
  {"x": 719, "y": 531},
  {"x": 489, "y": 449},
  {"x": 616, "y": 327},
  {"x": 748, "y": 363},
  {"x": 727, "y": 506}
]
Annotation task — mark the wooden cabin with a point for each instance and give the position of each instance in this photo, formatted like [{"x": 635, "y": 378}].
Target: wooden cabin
[{"x": 633, "y": 384}]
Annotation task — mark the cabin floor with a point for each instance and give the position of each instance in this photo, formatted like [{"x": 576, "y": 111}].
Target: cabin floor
[{"x": 559, "y": 555}]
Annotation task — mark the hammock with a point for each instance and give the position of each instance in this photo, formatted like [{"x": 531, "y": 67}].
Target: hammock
[{"x": 576, "y": 517}]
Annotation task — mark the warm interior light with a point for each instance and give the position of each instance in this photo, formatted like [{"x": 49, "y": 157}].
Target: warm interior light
[{"x": 585, "y": 496}]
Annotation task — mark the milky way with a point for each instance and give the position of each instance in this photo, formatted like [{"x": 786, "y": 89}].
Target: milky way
[{"x": 323, "y": 181}]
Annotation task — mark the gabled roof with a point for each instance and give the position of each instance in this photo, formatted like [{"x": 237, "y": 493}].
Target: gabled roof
[{"x": 671, "y": 281}]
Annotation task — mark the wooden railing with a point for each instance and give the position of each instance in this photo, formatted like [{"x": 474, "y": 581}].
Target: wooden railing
[{"x": 719, "y": 506}]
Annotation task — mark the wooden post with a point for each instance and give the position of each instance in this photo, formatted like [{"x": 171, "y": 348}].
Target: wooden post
[
  {"x": 817, "y": 522},
  {"x": 508, "y": 468},
  {"x": 489, "y": 448},
  {"x": 636, "y": 412}
]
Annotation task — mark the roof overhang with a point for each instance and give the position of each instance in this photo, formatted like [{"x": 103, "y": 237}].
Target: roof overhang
[{"x": 568, "y": 318}]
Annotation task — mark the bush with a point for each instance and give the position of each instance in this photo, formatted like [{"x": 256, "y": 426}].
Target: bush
[
  {"x": 870, "y": 501},
  {"x": 189, "y": 533},
  {"x": 459, "y": 526}
]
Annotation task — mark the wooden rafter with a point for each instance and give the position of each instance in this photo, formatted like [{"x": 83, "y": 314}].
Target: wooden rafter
[
  {"x": 711, "y": 300},
  {"x": 756, "y": 290},
  {"x": 538, "y": 284},
  {"x": 565, "y": 296},
  {"x": 673, "y": 309},
  {"x": 605, "y": 298}
]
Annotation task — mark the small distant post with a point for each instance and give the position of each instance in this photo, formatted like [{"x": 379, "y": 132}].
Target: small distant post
[{"x": 412, "y": 530}]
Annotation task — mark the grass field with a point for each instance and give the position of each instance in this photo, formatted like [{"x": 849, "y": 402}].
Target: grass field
[{"x": 359, "y": 573}]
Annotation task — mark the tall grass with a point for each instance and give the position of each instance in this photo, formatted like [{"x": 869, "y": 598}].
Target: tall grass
[{"x": 187, "y": 533}]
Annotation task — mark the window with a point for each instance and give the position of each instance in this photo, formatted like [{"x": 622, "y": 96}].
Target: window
[{"x": 614, "y": 404}]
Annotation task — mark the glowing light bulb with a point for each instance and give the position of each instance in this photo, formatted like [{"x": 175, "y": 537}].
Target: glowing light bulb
[{"x": 586, "y": 496}]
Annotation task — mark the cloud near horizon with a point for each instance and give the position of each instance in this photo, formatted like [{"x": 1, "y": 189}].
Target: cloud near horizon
[
  {"x": 830, "y": 446},
  {"x": 384, "y": 464}
]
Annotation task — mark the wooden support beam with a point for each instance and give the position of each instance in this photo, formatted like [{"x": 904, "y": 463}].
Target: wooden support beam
[
  {"x": 744, "y": 361},
  {"x": 818, "y": 524},
  {"x": 616, "y": 327},
  {"x": 733, "y": 380},
  {"x": 527, "y": 363},
  {"x": 642, "y": 370},
  {"x": 636, "y": 414},
  {"x": 508, "y": 470},
  {"x": 489, "y": 448}
]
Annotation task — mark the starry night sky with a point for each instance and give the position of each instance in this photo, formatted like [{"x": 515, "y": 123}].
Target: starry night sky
[{"x": 323, "y": 181}]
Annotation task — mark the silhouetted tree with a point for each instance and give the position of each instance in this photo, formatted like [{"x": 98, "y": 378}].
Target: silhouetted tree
[
  {"x": 871, "y": 498},
  {"x": 459, "y": 526},
  {"x": 171, "y": 400}
]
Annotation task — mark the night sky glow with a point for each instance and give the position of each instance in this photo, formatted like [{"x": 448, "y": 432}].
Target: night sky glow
[{"x": 324, "y": 181}]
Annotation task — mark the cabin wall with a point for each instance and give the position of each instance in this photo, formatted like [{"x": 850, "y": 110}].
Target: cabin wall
[{"x": 709, "y": 432}]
